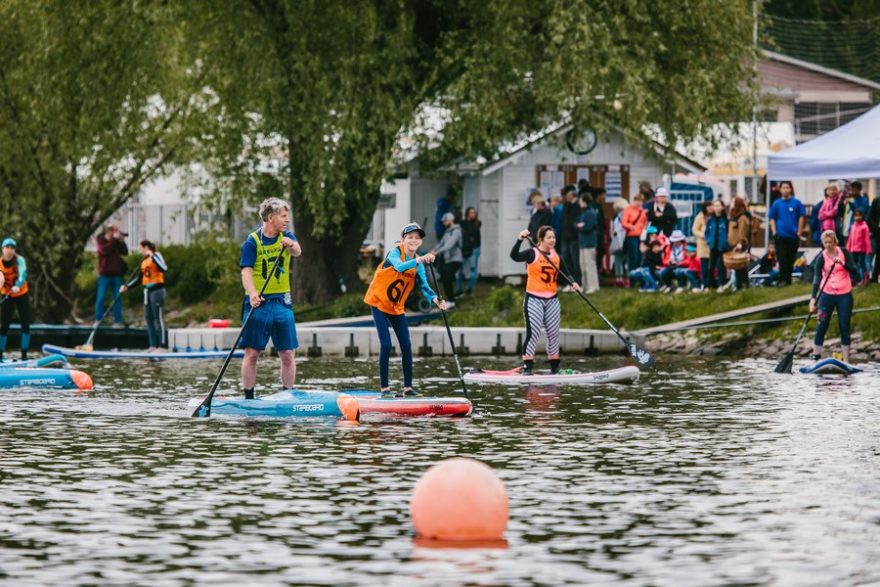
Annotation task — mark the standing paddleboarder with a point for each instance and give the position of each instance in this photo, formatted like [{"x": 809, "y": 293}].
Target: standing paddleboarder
[
  {"x": 541, "y": 307},
  {"x": 273, "y": 312},
  {"x": 394, "y": 279},
  {"x": 835, "y": 268}
]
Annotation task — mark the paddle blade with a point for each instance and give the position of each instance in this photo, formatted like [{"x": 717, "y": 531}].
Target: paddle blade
[
  {"x": 784, "y": 365},
  {"x": 203, "y": 411},
  {"x": 642, "y": 357}
]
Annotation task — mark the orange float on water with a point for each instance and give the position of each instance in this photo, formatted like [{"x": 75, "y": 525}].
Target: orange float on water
[
  {"x": 459, "y": 499},
  {"x": 81, "y": 380},
  {"x": 218, "y": 323}
]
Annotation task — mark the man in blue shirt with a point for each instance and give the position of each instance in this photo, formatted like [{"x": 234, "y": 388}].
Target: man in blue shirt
[
  {"x": 273, "y": 311},
  {"x": 786, "y": 226}
]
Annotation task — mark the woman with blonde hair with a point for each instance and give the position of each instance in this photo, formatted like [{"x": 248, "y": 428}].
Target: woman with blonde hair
[{"x": 833, "y": 274}]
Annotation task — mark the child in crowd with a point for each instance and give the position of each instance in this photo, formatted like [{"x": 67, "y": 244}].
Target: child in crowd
[
  {"x": 859, "y": 245},
  {"x": 769, "y": 266},
  {"x": 651, "y": 261},
  {"x": 674, "y": 256},
  {"x": 690, "y": 271}
]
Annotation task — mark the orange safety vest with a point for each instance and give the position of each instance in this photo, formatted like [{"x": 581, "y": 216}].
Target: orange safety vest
[
  {"x": 150, "y": 273},
  {"x": 390, "y": 288},
  {"x": 541, "y": 276},
  {"x": 10, "y": 276}
]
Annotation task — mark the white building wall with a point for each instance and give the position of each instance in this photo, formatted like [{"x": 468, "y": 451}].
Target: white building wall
[{"x": 514, "y": 181}]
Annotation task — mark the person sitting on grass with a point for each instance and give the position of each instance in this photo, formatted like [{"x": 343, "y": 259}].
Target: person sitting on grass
[
  {"x": 647, "y": 273},
  {"x": 768, "y": 266},
  {"x": 674, "y": 256}
]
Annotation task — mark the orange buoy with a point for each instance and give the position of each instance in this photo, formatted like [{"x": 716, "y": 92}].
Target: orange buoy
[
  {"x": 459, "y": 499},
  {"x": 81, "y": 379},
  {"x": 349, "y": 407},
  {"x": 218, "y": 323}
]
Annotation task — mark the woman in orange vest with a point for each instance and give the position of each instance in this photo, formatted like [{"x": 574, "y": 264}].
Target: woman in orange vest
[
  {"x": 152, "y": 276},
  {"x": 541, "y": 306},
  {"x": 395, "y": 278},
  {"x": 14, "y": 291}
]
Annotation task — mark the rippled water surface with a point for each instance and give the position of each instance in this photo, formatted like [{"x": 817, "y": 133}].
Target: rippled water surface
[{"x": 708, "y": 472}]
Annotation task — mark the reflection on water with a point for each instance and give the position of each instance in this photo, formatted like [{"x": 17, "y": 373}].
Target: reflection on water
[{"x": 707, "y": 472}]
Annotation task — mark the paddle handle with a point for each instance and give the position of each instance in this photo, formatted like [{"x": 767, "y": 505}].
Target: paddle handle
[{"x": 204, "y": 409}]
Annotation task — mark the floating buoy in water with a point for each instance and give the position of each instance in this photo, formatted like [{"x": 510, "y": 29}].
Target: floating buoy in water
[
  {"x": 459, "y": 499},
  {"x": 218, "y": 323},
  {"x": 349, "y": 407}
]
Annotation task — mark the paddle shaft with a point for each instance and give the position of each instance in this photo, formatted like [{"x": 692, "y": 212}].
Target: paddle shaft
[
  {"x": 581, "y": 294},
  {"x": 204, "y": 409},
  {"x": 107, "y": 309},
  {"x": 451, "y": 341}
]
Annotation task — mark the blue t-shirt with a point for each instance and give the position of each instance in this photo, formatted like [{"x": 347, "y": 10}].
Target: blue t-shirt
[
  {"x": 249, "y": 253},
  {"x": 787, "y": 214}
]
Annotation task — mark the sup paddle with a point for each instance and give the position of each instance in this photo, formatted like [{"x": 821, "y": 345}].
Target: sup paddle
[
  {"x": 642, "y": 357},
  {"x": 204, "y": 409},
  {"x": 87, "y": 346},
  {"x": 784, "y": 365},
  {"x": 451, "y": 342}
]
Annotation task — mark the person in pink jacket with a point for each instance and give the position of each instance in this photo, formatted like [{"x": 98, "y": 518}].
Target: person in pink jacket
[
  {"x": 831, "y": 210},
  {"x": 859, "y": 245}
]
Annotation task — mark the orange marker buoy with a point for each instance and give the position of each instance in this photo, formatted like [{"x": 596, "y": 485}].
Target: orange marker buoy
[
  {"x": 81, "y": 379},
  {"x": 459, "y": 499},
  {"x": 349, "y": 407}
]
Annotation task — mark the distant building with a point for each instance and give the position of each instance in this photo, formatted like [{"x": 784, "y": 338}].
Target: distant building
[
  {"x": 499, "y": 189},
  {"x": 815, "y": 99}
]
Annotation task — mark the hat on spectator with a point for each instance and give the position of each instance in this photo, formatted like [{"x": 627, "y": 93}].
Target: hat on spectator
[
  {"x": 661, "y": 192},
  {"x": 448, "y": 216},
  {"x": 9, "y": 242},
  {"x": 652, "y": 230},
  {"x": 692, "y": 248},
  {"x": 677, "y": 236}
]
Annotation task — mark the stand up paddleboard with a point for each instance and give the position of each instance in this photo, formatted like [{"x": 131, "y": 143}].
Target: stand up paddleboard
[
  {"x": 629, "y": 374},
  {"x": 298, "y": 403},
  {"x": 830, "y": 366},
  {"x": 13, "y": 377},
  {"x": 81, "y": 354},
  {"x": 41, "y": 362}
]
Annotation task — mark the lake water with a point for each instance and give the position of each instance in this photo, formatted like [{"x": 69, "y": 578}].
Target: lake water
[{"x": 708, "y": 472}]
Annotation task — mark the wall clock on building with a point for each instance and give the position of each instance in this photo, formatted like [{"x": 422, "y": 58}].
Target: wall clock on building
[{"x": 581, "y": 142}]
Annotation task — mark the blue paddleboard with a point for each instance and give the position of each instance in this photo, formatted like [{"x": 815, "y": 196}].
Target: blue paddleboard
[
  {"x": 41, "y": 362},
  {"x": 284, "y": 404},
  {"x": 830, "y": 366},
  {"x": 81, "y": 354},
  {"x": 13, "y": 377}
]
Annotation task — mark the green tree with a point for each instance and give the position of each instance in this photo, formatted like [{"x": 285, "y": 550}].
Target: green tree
[
  {"x": 316, "y": 96},
  {"x": 86, "y": 118}
]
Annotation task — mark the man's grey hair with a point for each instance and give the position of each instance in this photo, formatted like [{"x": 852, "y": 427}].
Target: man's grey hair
[{"x": 272, "y": 206}]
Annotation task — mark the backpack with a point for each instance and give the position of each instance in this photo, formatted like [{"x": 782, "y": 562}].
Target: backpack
[{"x": 618, "y": 236}]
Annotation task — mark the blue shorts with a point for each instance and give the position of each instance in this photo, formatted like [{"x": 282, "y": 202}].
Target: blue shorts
[{"x": 271, "y": 318}]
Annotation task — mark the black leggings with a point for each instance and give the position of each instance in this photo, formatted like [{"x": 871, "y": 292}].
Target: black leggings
[{"x": 24, "y": 314}]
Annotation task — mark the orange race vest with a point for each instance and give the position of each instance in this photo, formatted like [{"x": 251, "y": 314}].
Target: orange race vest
[
  {"x": 389, "y": 289},
  {"x": 10, "y": 276},
  {"x": 150, "y": 274},
  {"x": 542, "y": 276}
]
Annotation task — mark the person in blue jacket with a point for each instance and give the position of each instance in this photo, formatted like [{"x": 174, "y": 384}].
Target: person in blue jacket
[{"x": 716, "y": 238}]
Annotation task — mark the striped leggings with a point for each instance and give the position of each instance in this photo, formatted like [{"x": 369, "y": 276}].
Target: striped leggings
[{"x": 542, "y": 314}]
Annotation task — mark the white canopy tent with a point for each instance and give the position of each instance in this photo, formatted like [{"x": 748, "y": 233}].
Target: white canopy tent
[{"x": 851, "y": 151}]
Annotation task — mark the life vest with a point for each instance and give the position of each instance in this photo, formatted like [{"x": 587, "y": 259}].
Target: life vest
[
  {"x": 390, "y": 288},
  {"x": 10, "y": 276},
  {"x": 266, "y": 255},
  {"x": 839, "y": 283},
  {"x": 542, "y": 276},
  {"x": 151, "y": 275}
]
